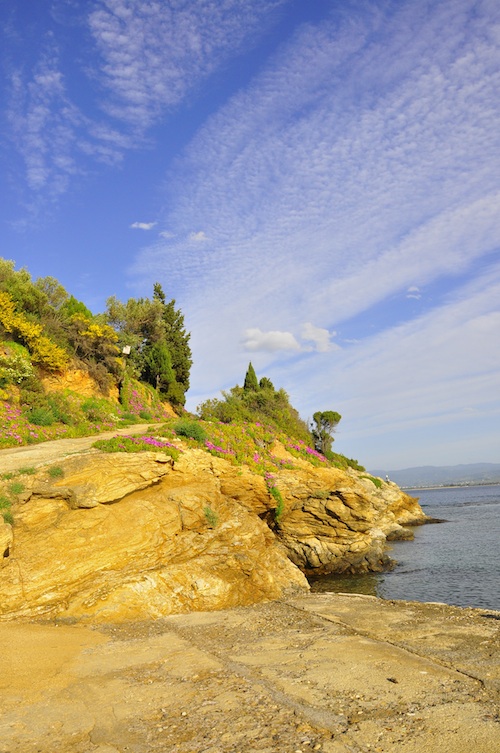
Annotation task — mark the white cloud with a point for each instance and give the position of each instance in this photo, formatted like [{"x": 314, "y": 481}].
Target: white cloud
[
  {"x": 143, "y": 225},
  {"x": 414, "y": 292},
  {"x": 199, "y": 237},
  {"x": 272, "y": 341},
  {"x": 320, "y": 337}
]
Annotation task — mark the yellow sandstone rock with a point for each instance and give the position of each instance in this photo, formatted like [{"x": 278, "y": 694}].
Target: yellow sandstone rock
[{"x": 134, "y": 536}]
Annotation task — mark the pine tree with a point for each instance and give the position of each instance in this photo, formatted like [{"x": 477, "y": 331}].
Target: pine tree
[{"x": 322, "y": 429}]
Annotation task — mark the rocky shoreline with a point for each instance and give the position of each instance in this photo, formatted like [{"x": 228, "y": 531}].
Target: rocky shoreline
[
  {"x": 107, "y": 537},
  {"x": 332, "y": 673},
  {"x": 132, "y": 621}
]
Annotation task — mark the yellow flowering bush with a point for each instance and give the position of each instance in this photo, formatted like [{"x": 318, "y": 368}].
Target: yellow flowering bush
[{"x": 41, "y": 348}]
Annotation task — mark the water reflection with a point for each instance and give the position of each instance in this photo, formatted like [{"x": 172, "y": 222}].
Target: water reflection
[{"x": 366, "y": 583}]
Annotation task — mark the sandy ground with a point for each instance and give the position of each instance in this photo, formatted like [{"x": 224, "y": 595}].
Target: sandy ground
[{"x": 324, "y": 672}]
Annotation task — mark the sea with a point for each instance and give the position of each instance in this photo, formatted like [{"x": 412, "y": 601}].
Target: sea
[{"x": 455, "y": 562}]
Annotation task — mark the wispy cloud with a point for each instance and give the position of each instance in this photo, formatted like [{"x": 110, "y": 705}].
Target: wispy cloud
[
  {"x": 413, "y": 292},
  {"x": 361, "y": 166},
  {"x": 288, "y": 171},
  {"x": 144, "y": 60},
  {"x": 43, "y": 122},
  {"x": 143, "y": 225},
  {"x": 199, "y": 237},
  {"x": 155, "y": 54},
  {"x": 437, "y": 369}
]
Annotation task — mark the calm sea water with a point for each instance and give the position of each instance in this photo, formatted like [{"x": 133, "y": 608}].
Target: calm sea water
[{"x": 457, "y": 562}]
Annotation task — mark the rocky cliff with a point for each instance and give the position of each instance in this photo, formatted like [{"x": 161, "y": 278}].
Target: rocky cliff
[{"x": 132, "y": 536}]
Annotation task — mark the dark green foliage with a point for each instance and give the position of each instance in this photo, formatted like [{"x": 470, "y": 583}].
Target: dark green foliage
[
  {"x": 157, "y": 366},
  {"x": 251, "y": 384},
  {"x": 322, "y": 428},
  {"x": 266, "y": 384},
  {"x": 22, "y": 290},
  {"x": 59, "y": 330},
  {"x": 280, "y": 505},
  {"x": 63, "y": 408},
  {"x": 149, "y": 328},
  {"x": 190, "y": 429},
  {"x": 177, "y": 340},
  {"x": 55, "y": 294}
]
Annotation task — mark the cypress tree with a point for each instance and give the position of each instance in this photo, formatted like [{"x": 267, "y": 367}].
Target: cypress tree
[{"x": 251, "y": 383}]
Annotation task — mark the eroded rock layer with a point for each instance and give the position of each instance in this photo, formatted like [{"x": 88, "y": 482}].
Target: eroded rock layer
[{"x": 121, "y": 536}]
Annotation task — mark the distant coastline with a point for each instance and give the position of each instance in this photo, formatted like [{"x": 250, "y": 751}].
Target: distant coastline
[
  {"x": 451, "y": 486},
  {"x": 432, "y": 477}
]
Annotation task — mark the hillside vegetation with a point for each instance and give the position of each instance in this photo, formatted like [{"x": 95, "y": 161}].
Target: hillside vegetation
[{"x": 137, "y": 357}]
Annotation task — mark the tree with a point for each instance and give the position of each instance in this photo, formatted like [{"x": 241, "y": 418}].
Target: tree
[
  {"x": 177, "y": 341},
  {"x": 322, "y": 429},
  {"x": 250, "y": 384},
  {"x": 157, "y": 369},
  {"x": 266, "y": 384},
  {"x": 143, "y": 323}
]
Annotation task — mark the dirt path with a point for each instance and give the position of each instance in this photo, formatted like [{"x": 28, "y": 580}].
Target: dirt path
[
  {"x": 331, "y": 673},
  {"x": 15, "y": 458}
]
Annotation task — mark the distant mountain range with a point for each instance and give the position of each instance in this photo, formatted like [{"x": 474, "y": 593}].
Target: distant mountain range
[{"x": 445, "y": 475}]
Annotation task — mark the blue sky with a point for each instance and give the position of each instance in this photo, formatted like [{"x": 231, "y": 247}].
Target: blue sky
[{"x": 317, "y": 184}]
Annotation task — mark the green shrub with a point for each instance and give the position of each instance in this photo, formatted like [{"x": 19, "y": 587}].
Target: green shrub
[
  {"x": 64, "y": 409},
  {"x": 145, "y": 415},
  {"x": 377, "y": 481},
  {"x": 15, "y": 366},
  {"x": 41, "y": 417},
  {"x": 136, "y": 444},
  {"x": 5, "y": 502},
  {"x": 16, "y": 487},
  {"x": 28, "y": 471},
  {"x": 55, "y": 472},
  {"x": 97, "y": 410},
  {"x": 340, "y": 461},
  {"x": 211, "y": 516},
  {"x": 8, "y": 517},
  {"x": 280, "y": 504},
  {"x": 128, "y": 417},
  {"x": 190, "y": 429}
]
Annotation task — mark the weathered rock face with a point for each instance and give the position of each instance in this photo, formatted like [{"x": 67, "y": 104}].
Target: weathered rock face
[
  {"x": 338, "y": 521},
  {"x": 77, "y": 381},
  {"x": 135, "y": 536}
]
